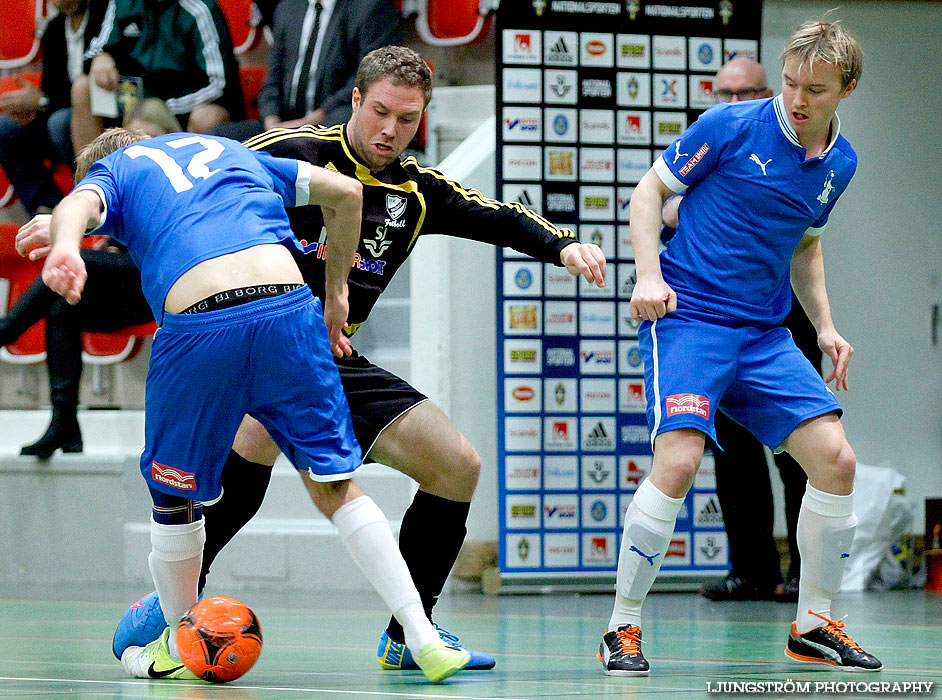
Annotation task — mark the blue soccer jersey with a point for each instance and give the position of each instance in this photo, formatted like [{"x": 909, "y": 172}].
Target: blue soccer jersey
[
  {"x": 179, "y": 199},
  {"x": 749, "y": 198}
]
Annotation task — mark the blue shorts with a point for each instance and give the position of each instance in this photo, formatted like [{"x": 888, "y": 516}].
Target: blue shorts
[
  {"x": 269, "y": 358},
  {"x": 757, "y": 376}
]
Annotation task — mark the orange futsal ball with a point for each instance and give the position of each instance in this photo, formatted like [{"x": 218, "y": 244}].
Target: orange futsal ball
[{"x": 219, "y": 639}]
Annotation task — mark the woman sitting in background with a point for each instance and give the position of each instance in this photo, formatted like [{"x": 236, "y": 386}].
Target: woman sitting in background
[{"x": 112, "y": 300}]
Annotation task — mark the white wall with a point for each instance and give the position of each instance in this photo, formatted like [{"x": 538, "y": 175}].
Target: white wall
[
  {"x": 883, "y": 246},
  {"x": 883, "y": 253}
]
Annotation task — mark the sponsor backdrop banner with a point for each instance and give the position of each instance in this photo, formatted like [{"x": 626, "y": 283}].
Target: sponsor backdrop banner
[{"x": 588, "y": 94}]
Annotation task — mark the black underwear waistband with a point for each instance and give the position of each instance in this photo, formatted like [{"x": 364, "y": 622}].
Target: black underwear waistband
[{"x": 240, "y": 295}]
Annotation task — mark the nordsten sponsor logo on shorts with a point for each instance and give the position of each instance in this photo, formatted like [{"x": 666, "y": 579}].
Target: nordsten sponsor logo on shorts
[
  {"x": 694, "y": 159},
  {"x": 688, "y": 403},
  {"x": 184, "y": 481}
]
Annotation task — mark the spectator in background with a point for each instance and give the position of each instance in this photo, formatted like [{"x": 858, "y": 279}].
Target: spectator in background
[
  {"x": 34, "y": 122},
  {"x": 112, "y": 300},
  {"x": 742, "y": 476},
  {"x": 316, "y": 49},
  {"x": 181, "y": 51}
]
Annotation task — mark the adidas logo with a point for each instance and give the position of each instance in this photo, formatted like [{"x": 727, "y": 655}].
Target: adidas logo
[
  {"x": 560, "y": 53},
  {"x": 525, "y": 199},
  {"x": 598, "y": 438},
  {"x": 710, "y": 513}
]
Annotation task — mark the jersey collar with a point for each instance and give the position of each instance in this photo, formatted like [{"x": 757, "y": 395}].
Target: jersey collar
[{"x": 779, "y": 103}]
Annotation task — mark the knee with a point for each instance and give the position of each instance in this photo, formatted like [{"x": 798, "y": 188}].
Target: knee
[
  {"x": 60, "y": 312},
  {"x": 327, "y": 496},
  {"x": 253, "y": 443},
  {"x": 81, "y": 95},
  {"x": 9, "y": 131},
  {"x": 676, "y": 475},
  {"x": 469, "y": 468},
  {"x": 842, "y": 463},
  {"x": 205, "y": 118}
]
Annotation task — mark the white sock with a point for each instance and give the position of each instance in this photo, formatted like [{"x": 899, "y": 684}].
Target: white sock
[
  {"x": 175, "y": 560},
  {"x": 826, "y": 524},
  {"x": 365, "y": 532},
  {"x": 649, "y": 524}
]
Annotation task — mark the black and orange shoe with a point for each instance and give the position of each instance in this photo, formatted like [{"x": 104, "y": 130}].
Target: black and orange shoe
[
  {"x": 620, "y": 652},
  {"x": 830, "y": 645}
]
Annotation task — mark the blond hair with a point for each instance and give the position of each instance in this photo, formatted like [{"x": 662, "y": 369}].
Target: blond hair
[
  {"x": 827, "y": 42},
  {"x": 106, "y": 143}
]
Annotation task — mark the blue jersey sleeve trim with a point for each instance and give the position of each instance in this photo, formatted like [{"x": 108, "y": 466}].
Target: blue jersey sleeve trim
[
  {"x": 667, "y": 177},
  {"x": 303, "y": 184},
  {"x": 815, "y": 230},
  {"x": 104, "y": 203}
]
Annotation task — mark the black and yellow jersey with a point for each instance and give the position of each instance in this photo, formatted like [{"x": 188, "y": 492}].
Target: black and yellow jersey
[{"x": 400, "y": 203}]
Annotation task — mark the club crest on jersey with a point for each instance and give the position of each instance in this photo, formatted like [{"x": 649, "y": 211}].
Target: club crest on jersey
[
  {"x": 826, "y": 192},
  {"x": 688, "y": 403},
  {"x": 176, "y": 478},
  {"x": 395, "y": 207}
]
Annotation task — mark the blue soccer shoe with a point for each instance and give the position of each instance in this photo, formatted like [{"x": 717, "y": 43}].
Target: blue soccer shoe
[
  {"x": 141, "y": 624},
  {"x": 393, "y": 656}
]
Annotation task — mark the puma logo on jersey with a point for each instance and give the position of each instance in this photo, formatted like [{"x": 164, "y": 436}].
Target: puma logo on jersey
[
  {"x": 677, "y": 154},
  {"x": 755, "y": 159}
]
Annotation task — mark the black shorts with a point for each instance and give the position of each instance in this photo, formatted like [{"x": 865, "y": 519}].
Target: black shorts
[{"x": 376, "y": 398}]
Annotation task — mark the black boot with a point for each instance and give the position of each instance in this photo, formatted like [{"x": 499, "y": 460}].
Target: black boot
[
  {"x": 63, "y": 432},
  {"x": 64, "y": 365}
]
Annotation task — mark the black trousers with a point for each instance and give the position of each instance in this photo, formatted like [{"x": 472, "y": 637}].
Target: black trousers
[
  {"x": 112, "y": 299},
  {"x": 744, "y": 489}
]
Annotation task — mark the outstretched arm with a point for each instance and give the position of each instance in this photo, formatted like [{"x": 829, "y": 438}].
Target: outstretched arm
[
  {"x": 341, "y": 200},
  {"x": 807, "y": 277},
  {"x": 64, "y": 270}
]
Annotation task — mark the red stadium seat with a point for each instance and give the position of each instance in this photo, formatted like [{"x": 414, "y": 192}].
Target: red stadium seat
[
  {"x": 251, "y": 78},
  {"x": 62, "y": 176},
  {"x": 19, "y": 39},
  {"x": 117, "y": 346},
  {"x": 456, "y": 20},
  {"x": 17, "y": 274},
  {"x": 243, "y": 18},
  {"x": 7, "y": 196}
]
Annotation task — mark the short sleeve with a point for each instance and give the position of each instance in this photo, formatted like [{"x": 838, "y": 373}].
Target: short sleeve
[
  {"x": 100, "y": 180},
  {"x": 291, "y": 178},
  {"x": 696, "y": 152}
]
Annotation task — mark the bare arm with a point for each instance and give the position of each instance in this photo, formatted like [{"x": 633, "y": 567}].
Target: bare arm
[
  {"x": 807, "y": 278},
  {"x": 64, "y": 270},
  {"x": 652, "y": 297},
  {"x": 341, "y": 200}
]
